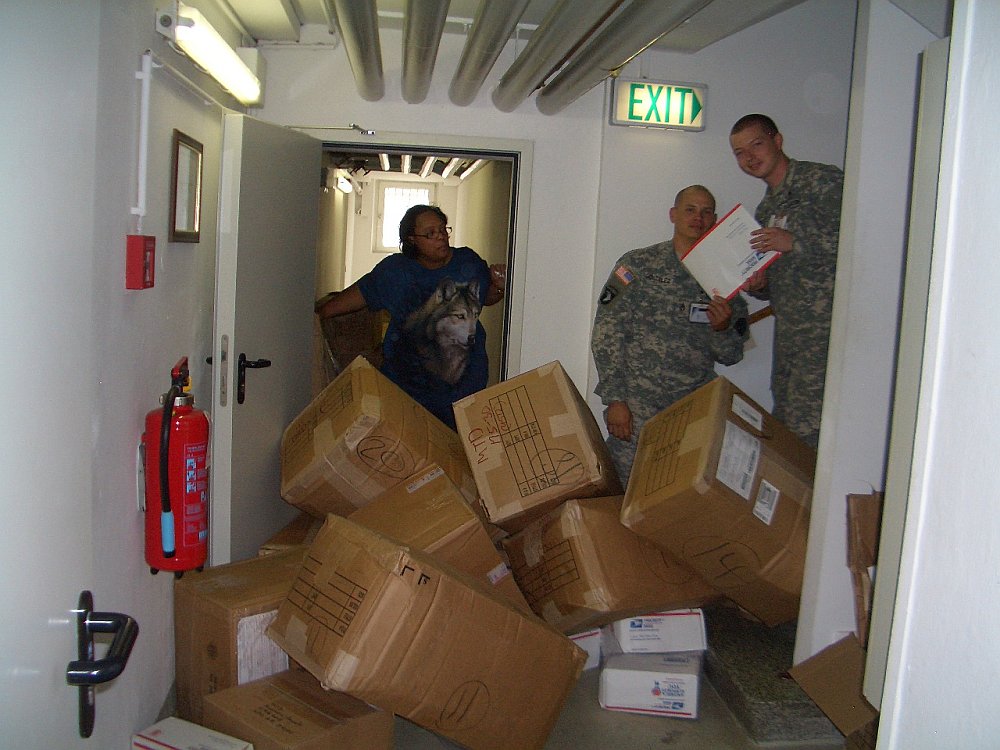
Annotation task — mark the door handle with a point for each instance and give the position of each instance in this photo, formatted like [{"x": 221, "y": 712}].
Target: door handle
[
  {"x": 87, "y": 671},
  {"x": 241, "y": 379}
]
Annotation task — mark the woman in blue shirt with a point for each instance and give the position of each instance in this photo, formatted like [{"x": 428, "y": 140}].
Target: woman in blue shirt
[{"x": 435, "y": 346}]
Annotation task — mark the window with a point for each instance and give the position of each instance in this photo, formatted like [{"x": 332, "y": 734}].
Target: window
[{"x": 396, "y": 197}]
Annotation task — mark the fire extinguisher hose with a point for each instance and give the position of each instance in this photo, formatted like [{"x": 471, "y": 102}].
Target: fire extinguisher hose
[{"x": 166, "y": 511}]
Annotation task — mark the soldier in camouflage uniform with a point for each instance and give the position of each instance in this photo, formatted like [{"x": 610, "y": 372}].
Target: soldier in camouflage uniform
[
  {"x": 657, "y": 335},
  {"x": 800, "y": 217}
]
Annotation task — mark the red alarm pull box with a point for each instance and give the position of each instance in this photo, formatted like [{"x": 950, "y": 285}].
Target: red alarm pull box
[{"x": 140, "y": 256}]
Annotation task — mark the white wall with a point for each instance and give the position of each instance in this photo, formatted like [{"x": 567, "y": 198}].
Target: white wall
[
  {"x": 943, "y": 655},
  {"x": 139, "y": 335}
]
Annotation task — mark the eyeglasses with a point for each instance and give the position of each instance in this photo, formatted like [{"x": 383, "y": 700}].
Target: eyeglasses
[{"x": 435, "y": 233}]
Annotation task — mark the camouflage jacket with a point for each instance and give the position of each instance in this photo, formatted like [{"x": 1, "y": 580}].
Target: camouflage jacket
[
  {"x": 800, "y": 288},
  {"x": 647, "y": 351}
]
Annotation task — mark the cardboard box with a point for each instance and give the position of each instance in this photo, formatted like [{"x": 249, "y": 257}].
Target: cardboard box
[
  {"x": 220, "y": 616},
  {"x": 532, "y": 443},
  {"x": 589, "y": 641},
  {"x": 292, "y": 711},
  {"x": 428, "y": 512},
  {"x": 653, "y": 684},
  {"x": 864, "y": 523},
  {"x": 662, "y": 632},
  {"x": 360, "y": 436},
  {"x": 352, "y": 335},
  {"x": 301, "y": 530},
  {"x": 833, "y": 678},
  {"x": 579, "y": 567},
  {"x": 724, "y": 486},
  {"x": 393, "y": 627},
  {"x": 177, "y": 734}
]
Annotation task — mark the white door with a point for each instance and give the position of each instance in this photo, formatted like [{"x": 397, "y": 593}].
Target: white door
[
  {"x": 45, "y": 443},
  {"x": 265, "y": 284},
  {"x": 909, "y": 360}
]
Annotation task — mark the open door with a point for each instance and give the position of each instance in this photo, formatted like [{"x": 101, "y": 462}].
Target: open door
[
  {"x": 909, "y": 361},
  {"x": 262, "y": 352}
]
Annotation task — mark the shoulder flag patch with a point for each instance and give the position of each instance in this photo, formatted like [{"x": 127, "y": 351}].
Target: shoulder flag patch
[{"x": 624, "y": 274}]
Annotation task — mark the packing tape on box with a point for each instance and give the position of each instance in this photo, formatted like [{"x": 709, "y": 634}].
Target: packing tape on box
[
  {"x": 532, "y": 546},
  {"x": 597, "y": 598},
  {"x": 357, "y": 431},
  {"x": 569, "y": 522},
  {"x": 551, "y": 613},
  {"x": 341, "y": 670},
  {"x": 562, "y": 424},
  {"x": 297, "y": 632}
]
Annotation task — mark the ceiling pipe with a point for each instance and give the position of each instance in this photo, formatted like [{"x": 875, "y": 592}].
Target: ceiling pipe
[
  {"x": 357, "y": 22},
  {"x": 423, "y": 24},
  {"x": 567, "y": 23},
  {"x": 490, "y": 31},
  {"x": 630, "y": 32}
]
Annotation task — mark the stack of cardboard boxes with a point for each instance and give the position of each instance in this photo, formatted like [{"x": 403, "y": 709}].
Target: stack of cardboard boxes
[{"x": 436, "y": 573}]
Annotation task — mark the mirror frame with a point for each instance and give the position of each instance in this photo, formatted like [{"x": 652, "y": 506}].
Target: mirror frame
[{"x": 187, "y": 158}]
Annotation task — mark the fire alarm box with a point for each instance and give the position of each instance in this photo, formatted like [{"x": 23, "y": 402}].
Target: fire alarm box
[{"x": 140, "y": 256}]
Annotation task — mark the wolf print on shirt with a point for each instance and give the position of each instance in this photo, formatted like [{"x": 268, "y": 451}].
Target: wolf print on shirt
[{"x": 443, "y": 330}]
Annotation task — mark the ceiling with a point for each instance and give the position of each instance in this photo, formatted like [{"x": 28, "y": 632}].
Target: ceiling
[{"x": 566, "y": 46}]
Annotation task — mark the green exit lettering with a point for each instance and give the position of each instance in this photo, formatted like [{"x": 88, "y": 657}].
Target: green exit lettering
[{"x": 666, "y": 105}]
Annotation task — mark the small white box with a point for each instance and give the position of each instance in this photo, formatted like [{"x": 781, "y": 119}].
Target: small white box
[
  {"x": 589, "y": 641},
  {"x": 657, "y": 684},
  {"x": 176, "y": 734},
  {"x": 662, "y": 632}
]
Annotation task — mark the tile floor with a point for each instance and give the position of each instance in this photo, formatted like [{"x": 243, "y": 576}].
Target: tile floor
[{"x": 584, "y": 725}]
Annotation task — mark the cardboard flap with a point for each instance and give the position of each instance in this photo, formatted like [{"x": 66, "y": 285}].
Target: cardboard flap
[
  {"x": 833, "y": 679},
  {"x": 864, "y": 516}
]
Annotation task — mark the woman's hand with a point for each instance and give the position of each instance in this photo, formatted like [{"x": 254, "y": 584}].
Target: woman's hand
[{"x": 498, "y": 282}]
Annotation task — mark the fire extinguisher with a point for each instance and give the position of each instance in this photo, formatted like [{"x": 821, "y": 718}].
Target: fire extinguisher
[{"x": 175, "y": 446}]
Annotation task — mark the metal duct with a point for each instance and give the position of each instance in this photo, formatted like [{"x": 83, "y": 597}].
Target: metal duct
[
  {"x": 423, "y": 24},
  {"x": 567, "y": 24},
  {"x": 626, "y": 35},
  {"x": 490, "y": 31},
  {"x": 357, "y": 22}
]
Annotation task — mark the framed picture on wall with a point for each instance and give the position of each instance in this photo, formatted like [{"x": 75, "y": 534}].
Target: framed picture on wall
[{"x": 185, "y": 189}]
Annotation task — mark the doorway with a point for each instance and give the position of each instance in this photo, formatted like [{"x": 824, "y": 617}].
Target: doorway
[{"x": 477, "y": 188}]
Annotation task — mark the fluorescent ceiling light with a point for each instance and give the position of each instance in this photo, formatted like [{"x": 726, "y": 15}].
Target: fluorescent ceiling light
[
  {"x": 344, "y": 185},
  {"x": 452, "y": 167},
  {"x": 202, "y": 43},
  {"x": 428, "y": 166},
  {"x": 473, "y": 168},
  {"x": 383, "y": 160},
  {"x": 404, "y": 165}
]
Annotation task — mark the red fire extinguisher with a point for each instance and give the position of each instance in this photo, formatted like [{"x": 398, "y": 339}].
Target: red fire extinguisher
[{"x": 175, "y": 446}]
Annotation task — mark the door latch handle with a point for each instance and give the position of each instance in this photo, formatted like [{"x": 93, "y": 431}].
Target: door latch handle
[
  {"x": 87, "y": 671},
  {"x": 241, "y": 378}
]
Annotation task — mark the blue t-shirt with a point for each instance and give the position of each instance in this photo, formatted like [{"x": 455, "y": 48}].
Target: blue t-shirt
[{"x": 435, "y": 346}]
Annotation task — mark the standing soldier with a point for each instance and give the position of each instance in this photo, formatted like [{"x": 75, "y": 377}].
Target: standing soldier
[
  {"x": 657, "y": 335},
  {"x": 800, "y": 218}
]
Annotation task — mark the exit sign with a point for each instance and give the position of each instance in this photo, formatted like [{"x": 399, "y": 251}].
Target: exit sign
[{"x": 658, "y": 104}]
